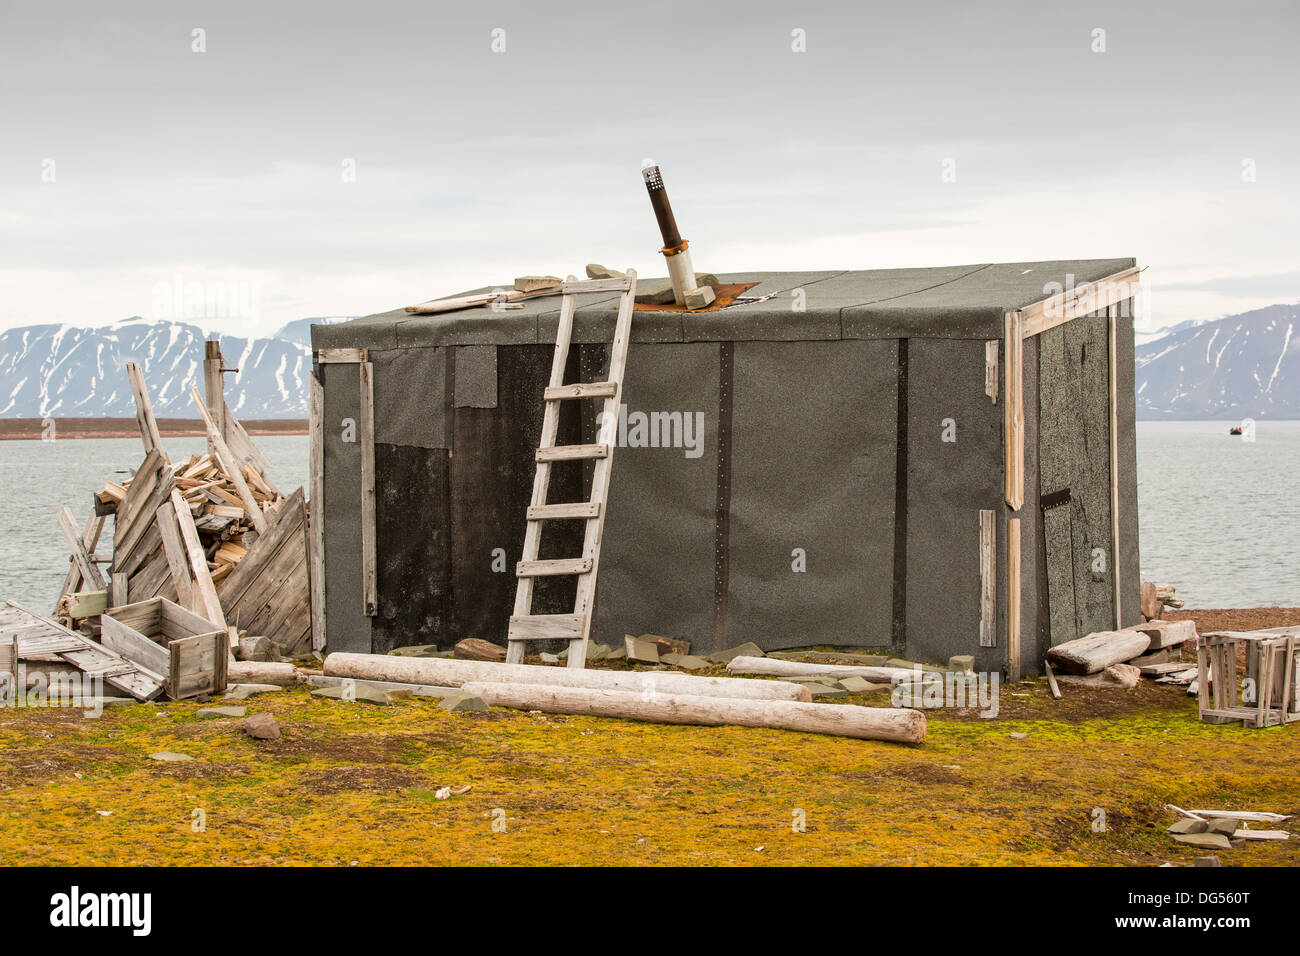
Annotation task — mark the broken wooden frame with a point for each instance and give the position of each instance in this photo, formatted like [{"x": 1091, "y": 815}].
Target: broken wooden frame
[
  {"x": 1104, "y": 295},
  {"x": 1271, "y": 663},
  {"x": 164, "y": 638}
]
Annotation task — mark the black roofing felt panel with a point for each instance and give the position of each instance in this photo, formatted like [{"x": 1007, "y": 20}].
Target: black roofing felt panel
[{"x": 960, "y": 301}]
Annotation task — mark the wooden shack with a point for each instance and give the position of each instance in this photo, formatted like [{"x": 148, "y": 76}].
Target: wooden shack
[{"x": 933, "y": 461}]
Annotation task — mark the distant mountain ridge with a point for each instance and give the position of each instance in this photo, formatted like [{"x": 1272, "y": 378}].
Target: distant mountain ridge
[
  {"x": 1241, "y": 366},
  {"x": 65, "y": 371}
]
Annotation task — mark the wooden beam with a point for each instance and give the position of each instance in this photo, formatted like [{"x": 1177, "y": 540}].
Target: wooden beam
[
  {"x": 325, "y": 356},
  {"x": 144, "y": 410},
  {"x": 230, "y": 465},
  {"x": 316, "y": 511},
  {"x": 207, "y": 603},
  {"x": 988, "y": 579},
  {"x": 1013, "y": 413},
  {"x": 1113, "y": 321},
  {"x": 214, "y": 387},
  {"x": 369, "y": 573},
  {"x": 1083, "y": 299},
  {"x": 89, "y": 570},
  {"x": 174, "y": 549},
  {"x": 991, "y": 370},
  {"x": 1013, "y": 599}
]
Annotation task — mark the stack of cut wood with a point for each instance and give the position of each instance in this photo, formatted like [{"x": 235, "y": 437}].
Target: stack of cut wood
[
  {"x": 211, "y": 532},
  {"x": 226, "y": 529},
  {"x": 1120, "y": 657}
]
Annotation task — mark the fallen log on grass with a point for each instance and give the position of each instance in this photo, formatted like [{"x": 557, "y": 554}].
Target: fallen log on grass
[
  {"x": 454, "y": 673},
  {"x": 776, "y": 667},
  {"x": 841, "y": 720}
]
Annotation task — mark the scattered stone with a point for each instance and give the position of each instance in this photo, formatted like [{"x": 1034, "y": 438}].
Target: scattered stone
[
  {"x": 1225, "y": 825},
  {"x": 700, "y": 298},
  {"x": 641, "y": 651},
  {"x": 689, "y": 662},
  {"x": 419, "y": 650},
  {"x": 826, "y": 690},
  {"x": 962, "y": 664},
  {"x": 706, "y": 279},
  {"x": 245, "y": 691},
  {"x": 168, "y": 756},
  {"x": 1207, "y": 861},
  {"x": 1188, "y": 825},
  {"x": 595, "y": 652},
  {"x": 655, "y": 292},
  {"x": 748, "y": 649},
  {"x": 358, "y": 691},
  {"x": 262, "y": 726},
  {"x": 550, "y": 658},
  {"x": 1017, "y": 735},
  {"x": 596, "y": 271},
  {"x": 860, "y": 685},
  {"x": 1148, "y": 660},
  {"x": 533, "y": 283},
  {"x": 667, "y": 645},
  {"x": 221, "y": 712},
  {"x": 1206, "y": 841},
  {"x": 617, "y": 654},
  {"x": 1126, "y": 675},
  {"x": 462, "y": 702},
  {"x": 474, "y": 649}
]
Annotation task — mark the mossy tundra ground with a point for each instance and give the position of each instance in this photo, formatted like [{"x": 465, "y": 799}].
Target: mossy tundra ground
[{"x": 354, "y": 783}]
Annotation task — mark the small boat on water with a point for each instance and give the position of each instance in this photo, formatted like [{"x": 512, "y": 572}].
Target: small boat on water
[{"x": 1234, "y": 430}]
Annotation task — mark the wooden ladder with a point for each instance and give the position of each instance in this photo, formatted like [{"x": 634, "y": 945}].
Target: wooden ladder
[{"x": 576, "y": 627}]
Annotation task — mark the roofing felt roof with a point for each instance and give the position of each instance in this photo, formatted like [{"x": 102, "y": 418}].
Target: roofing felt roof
[{"x": 966, "y": 302}]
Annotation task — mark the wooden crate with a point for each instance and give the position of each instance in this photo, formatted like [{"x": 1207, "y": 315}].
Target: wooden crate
[
  {"x": 1272, "y": 665},
  {"x": 186, "y": 651}
]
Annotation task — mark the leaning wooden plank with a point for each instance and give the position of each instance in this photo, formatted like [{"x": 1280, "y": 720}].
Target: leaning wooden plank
[
  {"x": 174, "y": 549},
  {"x": 208, "y": 604},
  {"x": 1051, "y": 680},
  {"x": 453, "y": 673},
  {"x": 369, "y": 564},
  {"x": 90, "y": 539},
  {"x": 776, "y": 667},
  {"x": 89, "y": 570},
  {"x": 229, "y": 464},
  {"x": 316, "y": 514},
  {"x": 842, "y": 720},
  {"x": 1097, "y": 651},
  {"x": 144, "y": 410}
]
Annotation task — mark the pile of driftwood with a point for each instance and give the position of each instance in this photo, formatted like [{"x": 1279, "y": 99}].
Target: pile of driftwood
[{"x": 211, "y": 533}]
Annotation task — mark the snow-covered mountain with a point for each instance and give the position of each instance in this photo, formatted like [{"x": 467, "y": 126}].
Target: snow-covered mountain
[
  {"x": 1242, "y": 366},
  {"x": 64, "y": 371}
]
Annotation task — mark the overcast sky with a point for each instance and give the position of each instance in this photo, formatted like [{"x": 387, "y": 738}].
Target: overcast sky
[{"x": 329, "y": 158}]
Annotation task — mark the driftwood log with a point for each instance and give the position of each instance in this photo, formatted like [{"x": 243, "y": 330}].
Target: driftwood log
[
  {"x": 1097, "y": 651},
  {"x": 261, "y": 672},
  {"x": 841, "y": 720},
  {"x": 776, "y": 667},
  {"x": 453, "y": 673}
]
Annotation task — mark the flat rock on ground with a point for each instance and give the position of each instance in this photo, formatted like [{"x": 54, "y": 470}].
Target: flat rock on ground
[
  {"x": 221, "y": 712},
  {"x": 357, "y": 692},
  {"x": 420, "y": 650},
  {"x": 168, "y": 756},
  {"x": 463, "y": 702},
  {"x": 748, "y": 649},
  {"x": 245, "y": 691}
]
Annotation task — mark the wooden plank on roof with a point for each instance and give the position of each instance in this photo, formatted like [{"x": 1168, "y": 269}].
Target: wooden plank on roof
[{"x": 1084, "y": 299}]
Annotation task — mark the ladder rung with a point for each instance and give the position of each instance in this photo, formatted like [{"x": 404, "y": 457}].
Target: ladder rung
[
  {"x": 572, "y": 452},
  {"x": 575, "y": 509},
  {"x": 546, "y": 627},
  {"x": 581, "y": 390},
  {"x": 540, "y": 569}
]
